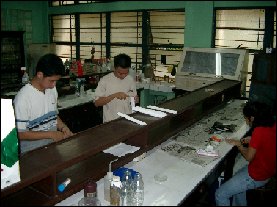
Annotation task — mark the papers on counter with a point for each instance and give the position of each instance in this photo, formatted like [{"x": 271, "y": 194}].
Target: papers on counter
[
  {"x": 155, "y": 113},
  {"x": 162, "y": 109},
  {"x": 150, "y": 112},
  {"x": 121, "y": 149},
  {"x": 131, "y": 118},
  {"x": 205, "y": 152}
]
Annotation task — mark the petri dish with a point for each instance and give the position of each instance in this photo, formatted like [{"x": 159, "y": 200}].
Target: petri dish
[{"x": 160, "y": 178}]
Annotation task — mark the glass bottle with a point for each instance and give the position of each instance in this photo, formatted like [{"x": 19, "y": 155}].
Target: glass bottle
[
  {"x": 115, "y": 191},
  {"x": 126, "y": 189},
  {"x": 137, "y": 190},
  {"x": 90, "y": 189},
  {"x": 25, "y": 77}
]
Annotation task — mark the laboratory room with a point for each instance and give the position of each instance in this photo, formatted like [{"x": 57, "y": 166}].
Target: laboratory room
[{"x": 138, "y": 103}]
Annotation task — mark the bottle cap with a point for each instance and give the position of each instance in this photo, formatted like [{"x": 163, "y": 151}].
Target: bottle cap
[
  {"x": 61, "y": 188},
  {"x": 116, "y": 178},
  {"x": 110, "y": 174}
]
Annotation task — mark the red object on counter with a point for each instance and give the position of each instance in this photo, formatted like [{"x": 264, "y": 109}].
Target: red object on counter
[
  {"x": 80, "y": 69},
  {"x": 215, "y": 138},
  {"x": 90, "y": 189}
]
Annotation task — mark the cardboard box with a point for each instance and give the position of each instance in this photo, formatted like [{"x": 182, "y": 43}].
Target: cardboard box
[{"x": 10, "y": 173}]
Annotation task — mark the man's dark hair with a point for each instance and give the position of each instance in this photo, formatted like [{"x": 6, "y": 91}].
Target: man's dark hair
[
  {"x": 122, "y": 60},
  {"x": 50, "y": 64}
]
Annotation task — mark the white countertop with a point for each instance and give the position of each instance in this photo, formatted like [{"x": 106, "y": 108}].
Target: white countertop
[
  {"x": 162, "y": 86},
  {"x": 73, "y": 100},
  {"x": 183, "y": 176}
]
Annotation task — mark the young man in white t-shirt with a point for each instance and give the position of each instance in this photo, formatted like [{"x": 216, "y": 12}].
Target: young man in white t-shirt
[
  {"x": 114, "y": 90},
  {"x": 35, "y": 105}
]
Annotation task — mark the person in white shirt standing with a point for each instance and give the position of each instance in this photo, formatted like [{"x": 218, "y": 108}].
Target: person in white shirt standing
[
  {"x": 114, "y": 90},
  {"x": 35, "y": 105}
]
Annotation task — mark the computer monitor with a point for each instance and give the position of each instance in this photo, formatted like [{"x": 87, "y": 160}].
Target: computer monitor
[{"x": 205, "y": 66}]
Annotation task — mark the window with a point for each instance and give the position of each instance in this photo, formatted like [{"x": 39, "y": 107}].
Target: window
[
  {"x": 126, "y": 35},
  {"x": 92, "y": 33},
  {"x": 167, "y": 33},
  {"x": 64, "y": 35},
  {"x": 121, "y": 32},
  {"x": 242, "y": 28},
  {"x": 62, "y": 3}
]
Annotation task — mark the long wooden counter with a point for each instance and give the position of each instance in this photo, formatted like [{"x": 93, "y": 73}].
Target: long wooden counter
[{"x": 81, "y": 156}]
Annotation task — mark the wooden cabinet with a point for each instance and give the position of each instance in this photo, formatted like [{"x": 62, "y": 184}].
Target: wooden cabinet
[
  {"x": 81, "y": 117},
  {"x": 12, "y": 58}
]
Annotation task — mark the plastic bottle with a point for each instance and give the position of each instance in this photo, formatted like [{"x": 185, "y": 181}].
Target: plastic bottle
[
  {"x": 25, "y": 77},
  {"x": 137, "y": 190},
  {"x": 132, "y": 72},
  {"x": 67, "y": 66},
  {"x": 107, "y": 182},
  {"x": 126, "y": 189},
  {"x": 115, "y": 191},
  {"x": 108, "y": 64}
]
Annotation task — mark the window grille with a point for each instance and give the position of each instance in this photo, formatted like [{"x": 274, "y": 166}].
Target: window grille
[{"x": 242, "y": 28}]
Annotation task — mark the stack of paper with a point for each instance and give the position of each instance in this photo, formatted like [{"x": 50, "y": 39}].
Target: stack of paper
[
  {"x": 209, "y": 153},
  {"x": 162, "y": 109},
  {"x": 121, "y": 149},
  {"x": 149, "y": 112},
  {"x": 131, "y": 118}
]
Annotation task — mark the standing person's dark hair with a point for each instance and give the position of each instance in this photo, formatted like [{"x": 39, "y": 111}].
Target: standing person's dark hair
[
  {"x": 122, "y": 60},
  {"x": 50, "y": 64}
]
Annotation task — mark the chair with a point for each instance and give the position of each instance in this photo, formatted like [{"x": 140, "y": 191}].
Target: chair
[{"x": 263, "y": 196}]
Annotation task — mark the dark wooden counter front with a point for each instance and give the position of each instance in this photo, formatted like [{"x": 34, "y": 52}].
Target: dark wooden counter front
[{"x": 81, "y": 156}]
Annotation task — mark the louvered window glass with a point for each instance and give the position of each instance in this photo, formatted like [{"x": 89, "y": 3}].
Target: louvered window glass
[
  {"x": 126, "y": 35},
  {"x": 92, "y": 33},
  {"x": 167, "y": 33},
  {"x": 242, "y": 28},
  {"x": 64, "y": 35}
]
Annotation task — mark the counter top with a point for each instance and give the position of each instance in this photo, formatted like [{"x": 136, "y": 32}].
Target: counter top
[
  {"x": 183, "y": 176},
  {"x": 73, "y": 100}
]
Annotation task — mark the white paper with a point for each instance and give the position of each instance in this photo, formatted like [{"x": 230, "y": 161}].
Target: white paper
[
  {"x": 162, "y": 109},
  {"x": 150, "y": 112},
  {"x": 121, "y": 149},
  {"x": 132, "y": 100},
  {"x": 209, "y": 153},
  {"x": 131, "y": 118}
]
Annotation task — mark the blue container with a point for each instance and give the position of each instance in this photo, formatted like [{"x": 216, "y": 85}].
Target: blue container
[{"x": 119, "y": 172}]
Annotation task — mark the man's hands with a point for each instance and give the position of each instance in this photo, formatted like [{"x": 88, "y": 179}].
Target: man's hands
[
  {"x": 234, "y": 142},
  {"x": 120, "y": 95},
  {"x": 62, "y": 134}
]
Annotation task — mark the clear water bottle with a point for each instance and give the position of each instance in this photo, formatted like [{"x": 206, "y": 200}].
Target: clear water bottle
[
  {"x": 137, "y": 190},
  {"x": 25, "y": 77},
  {"x": 126, "y": 189}
]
